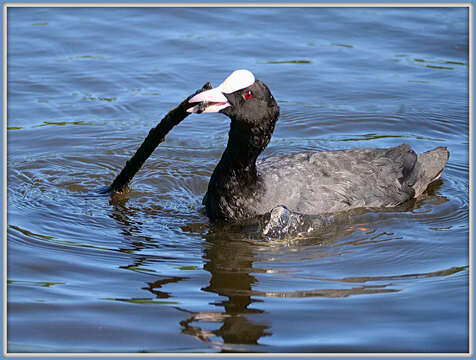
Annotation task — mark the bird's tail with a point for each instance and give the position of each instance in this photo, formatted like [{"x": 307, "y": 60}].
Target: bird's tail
[{"x": 429, "y": 167}]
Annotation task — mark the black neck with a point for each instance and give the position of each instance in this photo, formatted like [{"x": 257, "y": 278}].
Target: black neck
[
  {"x": 244, "y": 146},
  {"x": 235, "y": 175},
  {"x": 241, "y": 151}
]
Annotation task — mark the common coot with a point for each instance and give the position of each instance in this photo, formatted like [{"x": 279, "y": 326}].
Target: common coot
[{"x": 242, "y": 187}]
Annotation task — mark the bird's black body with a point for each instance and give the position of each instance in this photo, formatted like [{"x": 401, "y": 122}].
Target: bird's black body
[{"x": 242, "y": 186}]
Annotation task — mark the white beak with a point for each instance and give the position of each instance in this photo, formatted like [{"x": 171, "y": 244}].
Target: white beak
[{"x": 215, "y": 99}]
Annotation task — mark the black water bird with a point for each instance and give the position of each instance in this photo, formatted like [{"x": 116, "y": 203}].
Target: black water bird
[{"x": 242, "y": 187}]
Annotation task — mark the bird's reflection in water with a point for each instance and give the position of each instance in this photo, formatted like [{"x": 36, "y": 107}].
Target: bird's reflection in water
[{"x": 230, "y": 263}]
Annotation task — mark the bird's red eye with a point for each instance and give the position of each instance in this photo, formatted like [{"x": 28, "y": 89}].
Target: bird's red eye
[{"x": 248, "y": 95}]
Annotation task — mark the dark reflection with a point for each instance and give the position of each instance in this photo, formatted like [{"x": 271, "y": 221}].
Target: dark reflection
[
  {"x": 229, "y": 258},
  {"x": 125, "y": 216},
  {"x": 154, "y": 287},
  {"x": 134, "y": 244},
  {"x": 131, "y": 229},
  {"x": 230, "y": 263}
]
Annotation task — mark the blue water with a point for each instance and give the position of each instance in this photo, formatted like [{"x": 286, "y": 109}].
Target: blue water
[{"x": 150, "y": 273}]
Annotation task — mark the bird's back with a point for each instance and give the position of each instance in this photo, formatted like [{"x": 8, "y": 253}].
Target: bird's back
[{"x": 327, "y": 182}]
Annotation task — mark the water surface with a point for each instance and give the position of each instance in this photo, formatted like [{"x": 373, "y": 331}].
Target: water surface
[{"x": 150, "y": 273}]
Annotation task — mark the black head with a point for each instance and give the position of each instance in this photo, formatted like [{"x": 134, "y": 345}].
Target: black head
[
  {"x": 254, "y": 105},
  {"x": 248, "y": 102}
]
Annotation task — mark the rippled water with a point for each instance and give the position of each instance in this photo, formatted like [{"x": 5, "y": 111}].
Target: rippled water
[{"x": 150, "y": 273}]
